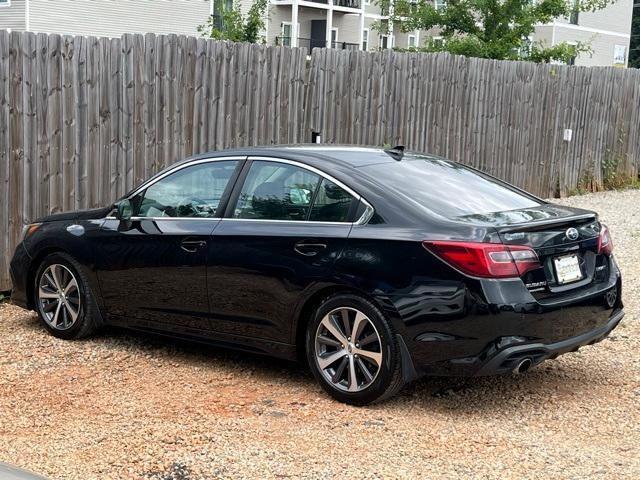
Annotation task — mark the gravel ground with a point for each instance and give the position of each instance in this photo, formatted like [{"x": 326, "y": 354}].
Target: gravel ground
[{"x": 123, "y": 406}]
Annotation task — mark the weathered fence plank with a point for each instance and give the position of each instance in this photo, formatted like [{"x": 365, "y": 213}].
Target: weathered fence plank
[{"x": 82, "y": 120}]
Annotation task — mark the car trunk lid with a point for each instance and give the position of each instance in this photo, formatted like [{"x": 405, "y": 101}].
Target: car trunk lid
[{"x": 565, "y": 240}]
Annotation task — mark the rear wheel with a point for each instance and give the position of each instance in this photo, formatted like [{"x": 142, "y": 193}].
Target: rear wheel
[
  {"x": 63, "y": 298},
  {"x": 352, "y": 350}
]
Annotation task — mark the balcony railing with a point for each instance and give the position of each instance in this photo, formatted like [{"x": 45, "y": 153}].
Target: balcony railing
[
  {"x": 311, "y": 43},
  {"x": 341, "y": 3},
  {"x": 347, "y": 3}
]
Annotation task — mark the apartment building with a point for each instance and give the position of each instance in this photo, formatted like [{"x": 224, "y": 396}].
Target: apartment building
[
  {"x": 104, "y": 18},
  {"x": 608, "y": 31},
  {"x": 346, "y": 24}
]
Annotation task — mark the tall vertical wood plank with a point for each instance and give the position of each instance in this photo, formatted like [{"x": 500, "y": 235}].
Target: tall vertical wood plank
[
  {"x": 16, "y": 139},
  {"x": 128, "y": 107},
  {"x": 93, "y": 151},
  {"x": 29, "y": 94},
  {"x": 117, "y": 168},
  {"x": 5, "y": 156},
  {"x": 105, "y": 114},
  {"x": 139, "y": 169},
  {"x": 80, "y": 99},
  {"x": 69, "y": 88},
  {"x": 150, "y": 82}
]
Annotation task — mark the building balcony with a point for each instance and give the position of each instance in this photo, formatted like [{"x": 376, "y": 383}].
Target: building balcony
[
  {"x": 311, "y": 43},
  {"x": 351, "y": 4}
]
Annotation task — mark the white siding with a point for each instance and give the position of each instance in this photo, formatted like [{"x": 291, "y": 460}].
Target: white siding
[
  {"x": 12, "y": 16},
  {"x": 112, "y": 18},
  {"x": 616, "y": 17},
  {"x": 602, "y": 45}
]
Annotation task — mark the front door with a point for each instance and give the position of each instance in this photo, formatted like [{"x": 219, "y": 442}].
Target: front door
[
  {"x": 154, "y": 266},
  {"x": 285, "y": 227}
]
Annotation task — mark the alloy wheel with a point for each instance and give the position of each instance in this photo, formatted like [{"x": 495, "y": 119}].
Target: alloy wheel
[
  {"x": 348, "y": 349},
  {"x": 59, "y": 297}
]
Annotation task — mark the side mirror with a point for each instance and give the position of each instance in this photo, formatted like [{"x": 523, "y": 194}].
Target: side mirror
[{"x": 124, "y": 210}]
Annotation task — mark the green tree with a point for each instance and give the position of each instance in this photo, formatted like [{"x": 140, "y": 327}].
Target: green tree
[
  {"x": 229, "y": 23},
  {"x": 497, "y": 29},
  {"x": 634, "y": 51}
]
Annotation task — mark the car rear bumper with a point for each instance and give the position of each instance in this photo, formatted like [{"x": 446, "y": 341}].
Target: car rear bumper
[
  {"x": 466, "y": 332},
  {"x": 509, "y": 358}
]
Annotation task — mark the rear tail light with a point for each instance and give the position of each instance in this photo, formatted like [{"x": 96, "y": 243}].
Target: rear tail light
[
  {"x": 605, "y": 244},
  {"x": 486, "y": 260}
]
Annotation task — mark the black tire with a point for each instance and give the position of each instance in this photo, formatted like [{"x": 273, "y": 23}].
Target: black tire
[
  {"x": 89, "y": 319},
  {"x": 387, "y": 382}
]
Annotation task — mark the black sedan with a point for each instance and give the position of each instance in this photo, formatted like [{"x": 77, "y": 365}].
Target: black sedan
[{"x": 375, "y": 266}]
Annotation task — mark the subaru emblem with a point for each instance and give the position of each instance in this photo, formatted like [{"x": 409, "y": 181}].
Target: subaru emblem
[{"x": 572, "y": 234}]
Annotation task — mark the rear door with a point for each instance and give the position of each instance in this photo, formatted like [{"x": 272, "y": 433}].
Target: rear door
[{"x": 285, "y": 226}]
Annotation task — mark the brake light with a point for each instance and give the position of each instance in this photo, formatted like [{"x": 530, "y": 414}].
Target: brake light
[
  {"x": 486, "y": 260},
  {"x": 605, "y": 243}
]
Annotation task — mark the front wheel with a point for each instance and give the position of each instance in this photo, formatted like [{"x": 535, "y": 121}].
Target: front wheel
[
  {"x": 352, "y": 350},
  {"x": 63, "y": 298}
]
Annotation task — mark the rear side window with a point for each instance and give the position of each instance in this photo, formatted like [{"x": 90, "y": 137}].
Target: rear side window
[
  {"x": 332, "y": 203},
  {"x": 280, "y": 191},
  {"x": 449, "y": 189}
]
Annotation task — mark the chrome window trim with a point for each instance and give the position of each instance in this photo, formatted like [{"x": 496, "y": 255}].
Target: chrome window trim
[{"x": 364, "y": 218}]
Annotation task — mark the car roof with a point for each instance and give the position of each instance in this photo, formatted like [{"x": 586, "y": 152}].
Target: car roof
[{"x": 347, "y": 155}]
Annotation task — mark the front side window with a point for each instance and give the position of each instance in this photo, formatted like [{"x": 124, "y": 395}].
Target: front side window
[
  {"x": 192, "y": 192},
  {"x": 280, "y": 191}
]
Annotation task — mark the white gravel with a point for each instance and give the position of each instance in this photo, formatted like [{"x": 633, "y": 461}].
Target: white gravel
[{"x": 123, "y": 406}]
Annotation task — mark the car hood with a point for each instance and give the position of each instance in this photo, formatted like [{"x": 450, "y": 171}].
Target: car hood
[
  {"x": 89, "y": 214},
  {"x": 548, "y": 212}
]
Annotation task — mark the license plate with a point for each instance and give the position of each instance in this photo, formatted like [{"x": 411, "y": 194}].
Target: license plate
[{"x": 567, "y": 269}]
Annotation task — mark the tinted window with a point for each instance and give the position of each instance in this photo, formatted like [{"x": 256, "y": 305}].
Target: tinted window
[
  {"x": 332, "y": 203},
  {"x": 449, "y": 189},
  {"x": 190, "y": 192},
  {"x": 276, "y": 191}
]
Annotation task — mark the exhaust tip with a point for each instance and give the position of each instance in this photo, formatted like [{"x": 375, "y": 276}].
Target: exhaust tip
[{"x": 523, "y": 366}]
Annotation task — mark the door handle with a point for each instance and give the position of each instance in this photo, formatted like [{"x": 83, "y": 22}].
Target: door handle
[
  {"x": 309, "y": 248},
  {"x": 192, "y": 245}
]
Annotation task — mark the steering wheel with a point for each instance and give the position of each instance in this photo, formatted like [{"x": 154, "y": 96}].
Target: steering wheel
[{"x": 187, "y": 206}]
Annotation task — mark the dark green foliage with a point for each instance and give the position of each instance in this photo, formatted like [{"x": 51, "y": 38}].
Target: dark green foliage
[{"x": 495, "y": 29}]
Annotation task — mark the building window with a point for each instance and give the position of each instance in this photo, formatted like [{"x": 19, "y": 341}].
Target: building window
[
  {"x": 384, "y": 42},
  {"x": 365, "y": 39},
  {"x": 285, "y": 30},
  {"x": 437, "y": 42},
  {"x": 572, "y": 60},
  {"x": 334, "y": 38},
  {"x": 411, "y": 41},
  {"x": 619, "y": 55},
  {"x": 440, "y": 4},
  {"x": 219, "y": 7}
]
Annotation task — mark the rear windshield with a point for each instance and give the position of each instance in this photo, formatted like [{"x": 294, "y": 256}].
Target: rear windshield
[{"x": 449, "y": 189}]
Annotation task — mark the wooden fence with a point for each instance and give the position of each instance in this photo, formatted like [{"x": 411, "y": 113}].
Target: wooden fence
[
  {"x": 84, "y": 119},
  {"x": 507, "y": 118}
]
